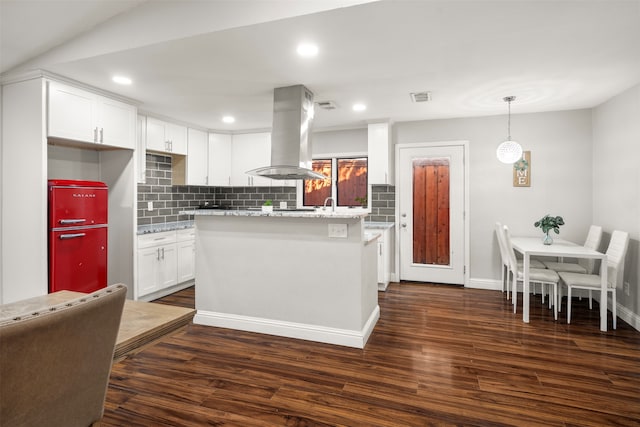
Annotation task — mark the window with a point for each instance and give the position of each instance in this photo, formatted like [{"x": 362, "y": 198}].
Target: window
[{"x": 348, "y": 183}]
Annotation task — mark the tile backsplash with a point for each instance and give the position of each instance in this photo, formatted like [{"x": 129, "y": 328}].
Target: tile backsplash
[
  {"x": 383, "y": 203},
  {"x": 168, "y": 200}
]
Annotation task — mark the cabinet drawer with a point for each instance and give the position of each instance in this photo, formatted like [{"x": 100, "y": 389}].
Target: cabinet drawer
[{"x": 156, "y": 239}]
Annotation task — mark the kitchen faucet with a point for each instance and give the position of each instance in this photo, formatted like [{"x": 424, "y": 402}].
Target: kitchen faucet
[{"x": 333, "y": 204}]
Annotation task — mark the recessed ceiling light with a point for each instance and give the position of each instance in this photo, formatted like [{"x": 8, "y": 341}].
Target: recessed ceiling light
[
  {"x": 307, "y": 50},
  {"x": 228, "y": 119},
  {"x": 359, "y": 107},
  {"x": 122, "y": 80}
]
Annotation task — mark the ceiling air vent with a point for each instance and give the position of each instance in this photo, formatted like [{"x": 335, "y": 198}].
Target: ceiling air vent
[
  {"x": 421, "y": 96},
  {"x": 327, "y": 105}
]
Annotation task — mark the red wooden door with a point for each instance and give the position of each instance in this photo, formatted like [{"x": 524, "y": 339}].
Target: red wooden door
[{"x": 431, "y": 211}]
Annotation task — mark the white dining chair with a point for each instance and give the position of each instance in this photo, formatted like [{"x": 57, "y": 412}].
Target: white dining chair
[
  {"x": 615, "y": 255},
  {"x": 536, "y": 275},
  {"x": 504, "y": 270},
  {"x": 505, "y": 259},
  {"x": 583, "y": 266}
]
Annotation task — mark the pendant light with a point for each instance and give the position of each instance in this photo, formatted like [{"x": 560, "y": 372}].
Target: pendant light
[{"x": 509, "y": 151}]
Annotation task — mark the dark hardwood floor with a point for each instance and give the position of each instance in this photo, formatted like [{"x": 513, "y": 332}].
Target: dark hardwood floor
[{"x": 439, "y": 355}]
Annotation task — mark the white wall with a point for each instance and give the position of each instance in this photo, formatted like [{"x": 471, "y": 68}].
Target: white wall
[
  {"x": 73, "y": 163},
  {"x": 346, "y": 142},
  {"x": 561, "y": 157},
  {"x": 616, "y": 182}
]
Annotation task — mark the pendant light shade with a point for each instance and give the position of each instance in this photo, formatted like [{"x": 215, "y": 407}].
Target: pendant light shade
[{"x": 509, "y": 151}]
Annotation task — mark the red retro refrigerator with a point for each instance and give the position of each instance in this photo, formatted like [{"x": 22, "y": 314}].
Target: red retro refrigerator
[{"x": 77, "y": 235}]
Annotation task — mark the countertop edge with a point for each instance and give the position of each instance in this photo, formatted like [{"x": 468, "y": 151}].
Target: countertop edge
[{"x": 275, "y": 214}]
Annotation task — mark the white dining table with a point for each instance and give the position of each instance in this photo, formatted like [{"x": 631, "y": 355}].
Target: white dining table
[{"x": 529, "y": 246}]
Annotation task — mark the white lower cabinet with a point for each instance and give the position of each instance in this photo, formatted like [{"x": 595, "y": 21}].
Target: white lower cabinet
[
  {"x": 384, "y": 259},
  {"x": 164, "y": 261},
  {"x": 186, "y": 248},
  {"x": 148, "y": 265}
]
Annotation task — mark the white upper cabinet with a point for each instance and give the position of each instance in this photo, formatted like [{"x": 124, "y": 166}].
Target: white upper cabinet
[
  {"x": 250, "y": 151},
  {"x": 219, "y": 159},
  {"x": 156, "y": 140},
  {"x": 178, "y": 138},
  {"x": 166, "y": 137},
  {"x": 141, "y": 155},
  {"x": 197, "y": 156},
  {"x": 79, "y": 115},
  {"x": 380, "y": 149}
]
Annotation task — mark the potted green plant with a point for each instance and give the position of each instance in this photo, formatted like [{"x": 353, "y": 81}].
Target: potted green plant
[
  {"x": 548, "y": 223},
  {"x": 362, "y": 201},
  {"x": 267, "y": 206}
]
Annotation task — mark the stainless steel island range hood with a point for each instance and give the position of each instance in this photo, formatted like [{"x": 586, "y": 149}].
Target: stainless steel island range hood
[{"x": 290, "y": 136}]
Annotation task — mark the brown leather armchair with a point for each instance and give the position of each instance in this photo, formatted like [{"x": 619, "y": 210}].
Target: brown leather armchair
[{"x": 55, "y": 363}]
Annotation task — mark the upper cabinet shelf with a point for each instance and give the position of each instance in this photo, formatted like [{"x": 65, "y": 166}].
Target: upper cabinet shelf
[{"x": 79, "y": 115}]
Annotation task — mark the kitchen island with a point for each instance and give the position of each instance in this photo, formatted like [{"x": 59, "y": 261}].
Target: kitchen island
[{"x": 300, "y": 274}]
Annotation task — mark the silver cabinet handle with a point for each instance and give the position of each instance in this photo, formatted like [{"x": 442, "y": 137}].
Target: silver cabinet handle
[
  {"x": 95, "y": 135},
  {"x": 71, "y": 236},
  {"x": 72, "y": 221},
  {"x": 404, "y": 225},
  {"x": 162, "y": 253},
  {"x": 101, "y": 135},
  {"x": 158, "y": 254}
]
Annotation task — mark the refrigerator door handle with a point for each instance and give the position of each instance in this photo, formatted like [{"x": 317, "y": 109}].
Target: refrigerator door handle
[
  {"x": 71, "y": 236},
  {"x": 72, "y": 221}
]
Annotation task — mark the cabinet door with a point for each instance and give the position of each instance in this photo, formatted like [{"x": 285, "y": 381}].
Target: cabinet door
[
  {"x": 141, "y": 150},
  {"x": 379, "y": 154},
  {"x": 219, "y": 159},
  {"x": 116, "y": 123},
  {"x": 197, "y": 155},
  {"x": 156, "y": 138},
  {"x": 177, "y": 137},
  {"x": 380, "y": 261},
  {"x": 250, "y": 151},
  {"x": 148, "y": 260},
  {"x": 71, "y": 113},
  {"x": 168, "y": 274},
  {"x": 186, "y": 260}
]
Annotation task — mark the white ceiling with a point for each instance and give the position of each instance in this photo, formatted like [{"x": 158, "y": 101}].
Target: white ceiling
[{"x": 196, "y": 61}]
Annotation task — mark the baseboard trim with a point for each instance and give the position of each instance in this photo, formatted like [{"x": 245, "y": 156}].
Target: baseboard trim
[
  {"x": 628, "y": 316},
  {"x": 488, "y": 284},
  {"x": 344, "y": 337}
]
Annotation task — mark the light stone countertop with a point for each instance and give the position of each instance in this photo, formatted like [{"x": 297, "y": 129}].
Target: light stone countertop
[
  {"x": 164, "y": 226},
  {"x": 371, "y": 236},
  {"x": 277, "y": 213}
]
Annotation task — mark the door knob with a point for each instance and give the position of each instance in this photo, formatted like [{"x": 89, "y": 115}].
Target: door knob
[{"x": 404, "y": 225}]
